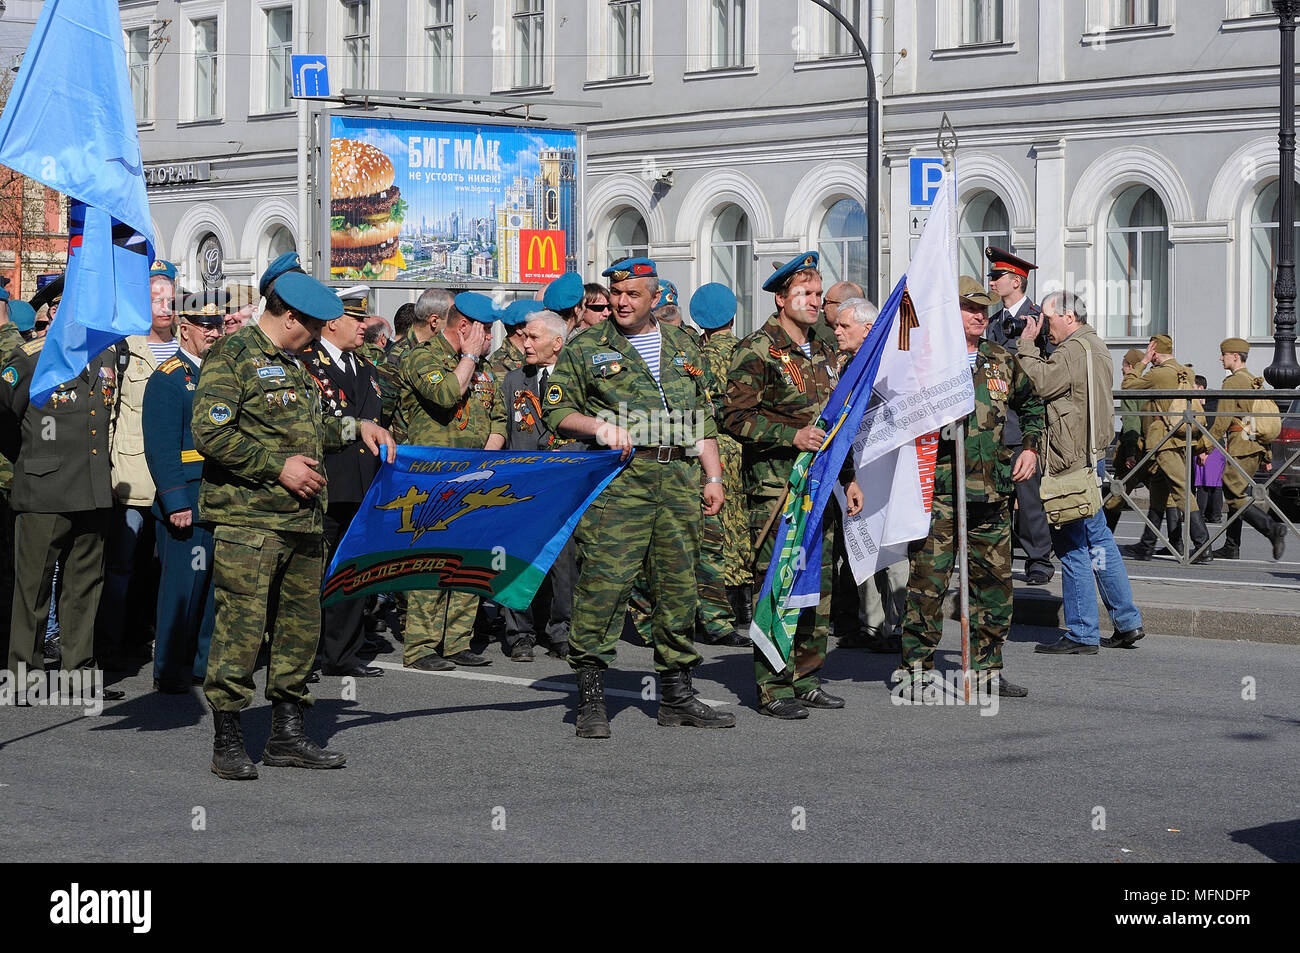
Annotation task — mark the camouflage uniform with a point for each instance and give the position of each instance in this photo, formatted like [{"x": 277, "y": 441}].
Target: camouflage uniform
[
  {"x": 389, "y": 369},
  {"x": 437, "y": 415},
  {"x": 648, "y": 518},
  {"x": 773, "y": 390},
  {"x": 504, "y": 359},
  {"x": 254, "y": 407},
  {"x": 999, "y": 384}
]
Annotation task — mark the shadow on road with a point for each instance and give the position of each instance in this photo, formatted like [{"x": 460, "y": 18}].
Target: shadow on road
[{"x": 1278, "y": 842}]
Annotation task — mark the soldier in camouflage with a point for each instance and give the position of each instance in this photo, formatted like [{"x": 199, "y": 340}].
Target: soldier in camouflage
[
  {"x": 431, "y": 310},
  {"x": 509, "y": 356},
  {"x": 999, "y": 385},
  {"x": 258, "y": 424}
]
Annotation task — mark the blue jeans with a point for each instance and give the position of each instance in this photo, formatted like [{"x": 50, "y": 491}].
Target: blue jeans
[{"x": 1087, "y": 550}]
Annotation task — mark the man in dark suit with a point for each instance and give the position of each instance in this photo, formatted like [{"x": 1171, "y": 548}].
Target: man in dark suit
[
  {"x": 349, "y": 386},
  {"x": 1009, "y": 278}
]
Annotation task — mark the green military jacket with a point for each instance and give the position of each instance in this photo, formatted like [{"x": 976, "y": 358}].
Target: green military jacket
[
  {"x": 434, "y": 411},
  {"x": 1161, "y": 377},
  {"x": 716, "y": 352},
  {"x": 389, "y": 370},
  {"x": 505, "y": 359},
  {"x": 1228, "y": 428},
  {"x": 773, "y": 391},
  {"x": 600, "y": 374},
  {"x": 255, "y": 406},
  {"x": 999, "y": 384}
]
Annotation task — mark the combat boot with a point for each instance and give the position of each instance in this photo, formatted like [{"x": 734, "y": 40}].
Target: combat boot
[
  {"x": 592, "y": 720},
  {"x": 1200, "y": 536},
  {"x": 229, "y": 759},
  {"x": 741, "y": 605},
  {"x": 680, "y": 704},
  {"x": 289, "y": 746}
]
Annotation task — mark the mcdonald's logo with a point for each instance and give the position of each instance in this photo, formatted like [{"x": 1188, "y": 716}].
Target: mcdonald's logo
[{"x": 541, "y": 254}]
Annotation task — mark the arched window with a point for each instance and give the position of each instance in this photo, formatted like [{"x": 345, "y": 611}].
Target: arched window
[
  {"x": 1264, "y": 242},
  {"x": 983, "y": 223},
  {"x": 842, "y": 243},
  {"x": 1137, "y": 265},
  {"x": 279, "y": 240},
  {"x": 628, "y": 237},
  {"x": 731, "y": 261}
]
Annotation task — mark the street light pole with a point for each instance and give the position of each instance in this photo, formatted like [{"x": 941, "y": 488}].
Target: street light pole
[
  {"x": 1284, "y": 372},
  {"x": 873, "y": 151}
]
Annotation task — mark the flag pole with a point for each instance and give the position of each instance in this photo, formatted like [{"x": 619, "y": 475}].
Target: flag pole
[{"x": 948, "y": 148}]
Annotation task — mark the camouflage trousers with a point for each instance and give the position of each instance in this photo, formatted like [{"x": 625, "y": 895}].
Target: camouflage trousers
[
  {"x": 736, "y": 552},
  {"x": 647, "y": 520},
  {"x": 263, "y": 582},
  {"x": 716, "y": 614},
  {"x": 808, "y": 651},
  {"x": 932, "y": 565},
  {"x": 438, "y": 621}
]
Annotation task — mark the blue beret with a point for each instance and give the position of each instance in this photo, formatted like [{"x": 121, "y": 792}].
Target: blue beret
[
  {"x": 162, "y": 269},
  {"x": 668, "y": 294},
  {"x": 631, "y": 268},
  {"x": 774, "y": 282},
  {"x": 22, "y": 315},
  {"x": 713, "y": 305},
  {"x": 307, "y": 296},
  {"x": 285, "y": 263},
  {"x": 564, "y": 292},
  {"x": 518, "y": 312},
  {"x": 476, "y": 307}
]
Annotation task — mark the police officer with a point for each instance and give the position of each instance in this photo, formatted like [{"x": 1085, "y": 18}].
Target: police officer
[
  {"x": 445, "y": 398},
  {"x": 258, "y": 423},
  {"x": 185, "y": 610},
  {"x": 991, "y": 469},
  {"x": 625, "y": 382}
]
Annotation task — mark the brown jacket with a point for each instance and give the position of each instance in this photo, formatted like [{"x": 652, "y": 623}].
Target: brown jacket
[
  {"x": 1162, "y": 377},
  {"x": 1229, "y": 428},
  {"x": 1060, "y": 379}
]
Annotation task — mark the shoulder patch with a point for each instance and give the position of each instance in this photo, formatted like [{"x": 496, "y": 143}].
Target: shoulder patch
[
  {"x": 219, "y": 413},
  {"x": 554, "y": 394},
  {"x": 433, "y": 377},
  {"x": 170, "y": 365},
  {"x": 605, "y": 356},
  {"x": 10, "y": 375},
  {"x": 33, "y": 346}
]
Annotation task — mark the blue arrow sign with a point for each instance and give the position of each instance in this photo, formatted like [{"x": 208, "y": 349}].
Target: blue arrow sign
[
  {"x": 310, "y": 75},
  {"x": 925, "y": 174}
]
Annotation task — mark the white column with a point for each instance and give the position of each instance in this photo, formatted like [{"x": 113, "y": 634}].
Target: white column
[
  {"x": 1050, "y": 40},
  {"x": 1049, "y": 213}
]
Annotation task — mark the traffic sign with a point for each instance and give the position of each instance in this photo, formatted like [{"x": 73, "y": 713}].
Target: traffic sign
[
  {"x": 925, "y": 174},
  {"x": 916, "y": 222},
  {"x": 310, "y": 75}
]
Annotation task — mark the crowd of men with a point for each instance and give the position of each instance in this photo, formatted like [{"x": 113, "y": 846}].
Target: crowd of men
[{"x": 187, "y": 488}]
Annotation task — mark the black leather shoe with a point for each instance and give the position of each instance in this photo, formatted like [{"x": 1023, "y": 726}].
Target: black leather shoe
[
  {"x": 1010, "y": 689},
  {"x": 1136, "y": 551},
  {"x": 787, "y": 709},
  {"x": 1206, "y": 557},
  {"x": 522, "y": 652},
  {"x": 466, "y": 657},
  {"x": 559, "y": 650},
  {"x": 289, "y": 746},
  {"x": 170, "y": 688},
  {"x": 735, "y": 639},
  {"x": 1124, "y": 640},
  {"x": 112, "y": 695},
  {"x": 680, "y": 705},
  {"x": 819, "y": 698},
  {"x": 431, "y": 663},
  {"x": 313, "y": 678},
  {"x": 229, "y": 759},
  {"x": 1065, "y": 646},
  {"x": 1038, "y": 578},
  {"x": 356, "y": 671},
  {"x": 1228, "y": 552}
]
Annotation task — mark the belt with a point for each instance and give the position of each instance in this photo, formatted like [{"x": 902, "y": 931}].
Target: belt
[
  {"x": 191, "y": 456},
  {"x": 660, "y": 454},
  {"x": 1236, "y": 428}
]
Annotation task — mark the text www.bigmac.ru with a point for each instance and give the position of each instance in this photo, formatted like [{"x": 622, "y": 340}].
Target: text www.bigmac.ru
[{"x": 1202, "y": 920}]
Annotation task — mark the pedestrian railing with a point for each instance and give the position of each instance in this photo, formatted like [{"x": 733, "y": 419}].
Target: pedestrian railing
[{"x": 1195, "y": 425}]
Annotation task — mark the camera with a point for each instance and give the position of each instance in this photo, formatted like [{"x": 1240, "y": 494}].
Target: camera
[{"x": 1014, "y": 326}]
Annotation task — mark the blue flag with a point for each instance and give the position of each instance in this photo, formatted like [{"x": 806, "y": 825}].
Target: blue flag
[
  {"x": 488, "y": 522},
  {"x": 70, "y": 124}
]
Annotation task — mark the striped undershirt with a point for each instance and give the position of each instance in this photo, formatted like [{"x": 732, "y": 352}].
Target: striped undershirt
[
  {"x": 648, "y": 345},
  {"x": 163, "y": 351},
  {"x": 970, "y": 358}
]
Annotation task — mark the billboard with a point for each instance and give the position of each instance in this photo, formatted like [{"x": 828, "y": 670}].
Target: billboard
[{"x": 447, "y": 202}]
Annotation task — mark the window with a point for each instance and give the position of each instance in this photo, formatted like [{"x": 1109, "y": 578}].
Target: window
[
  {"x": 137, "y": 62},
  {"x": 726, "y": 33},
  {"x": 529, "y": 30},
  {"x": 731, "y": 261},
  {"x": 983, "y": 223},
  {"x": 279, "y": 46},
  {"x": 842, "y": 242},
  {"x": 1264, "y": 242},
  {"x": 628, "y": 237},
  {"x": 838, "y": 42},
  {"x": 1133, "y": 13},
  {"x": 1137, "y": 265},
  {"x": 438, "y": 36},
  {"x": 278, "y": 241},
  {"x": 356, "y": 43},
  {"x": 625, "y": 38},
  {"x": 981, "y": 22},
  {"x": 205, "y": 69}
]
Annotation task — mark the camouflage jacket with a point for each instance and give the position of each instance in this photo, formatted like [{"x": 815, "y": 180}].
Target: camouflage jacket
[
  {"x": 389, "y": 369},
  {"x": 600, "y": 374},
  {"x": 773, "y": 390},
  {"x": 504, "y": 359},
  {"x": 716, "y": 353},
  {"x": 434, "y": 411},
  {"x": 1000, "y": 388},
  {"x": 255, "y": 406},
  {"x": 1237, "y": 442}
]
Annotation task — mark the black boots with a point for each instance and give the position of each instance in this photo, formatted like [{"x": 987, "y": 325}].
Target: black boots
[
  {"x": 742, "y": 604},
  {"x": 592, "y": 720},
  {"x": 1145, "y": 547},
  {"x": 289, "y": 746},
  {"x": 1196, "y": 529},
  {"x": 680, "y": 705},
  {"x": 229, "y": 759}
]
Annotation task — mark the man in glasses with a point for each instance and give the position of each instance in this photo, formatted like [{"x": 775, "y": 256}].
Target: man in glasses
[{"x": 595, "y": 304}]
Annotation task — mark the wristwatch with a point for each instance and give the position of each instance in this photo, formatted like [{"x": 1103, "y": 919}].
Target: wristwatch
[
  {"x": 474, "y": 357},
  {"x": 717, "y": 479}
]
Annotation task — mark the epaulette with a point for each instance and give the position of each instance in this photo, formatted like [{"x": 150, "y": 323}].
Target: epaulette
[
  {"x": 33, "y": 346},
  {"x": 170, "y": 364}
]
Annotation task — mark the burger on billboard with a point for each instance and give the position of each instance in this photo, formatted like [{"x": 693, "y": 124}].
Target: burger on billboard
[{"x": 366, "y": 211}]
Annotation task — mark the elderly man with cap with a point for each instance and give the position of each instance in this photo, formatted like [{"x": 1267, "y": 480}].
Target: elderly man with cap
[
  {"x": 241, "y": 307},
  {"x": 445, "y": 395},
  {"x": 625, "y": 382},
  {"x": 781, "y": 377},
  {"x": 1128, "y": 445},
  {"x": 1168, "y": 481},
  {"x": 991, "y": 470},
  {"x": 565, "y": 296},
  {"x": 1234, "y": 429},
  {"x": 258, "y": 423},
  {"x": 1009, "y": 279},
  {"x": 186, "y": 612}
]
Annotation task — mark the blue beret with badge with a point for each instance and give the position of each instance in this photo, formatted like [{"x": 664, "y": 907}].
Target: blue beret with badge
[
  {"x": 285, "y": 263},
  {"x": 162, "y": 269},
  {"x": 776, "y": 281},
  {"x": 22, "y": 315},
  {"x": 667, "y": 293},
  {"x": 518, "y": 312},
  {"x": 631, "y": 268},
  {"x": 308, "y": 297},
  {"x": 476, "y": 307},
  {"x": 564, "y": 292},
  {"x": 713, "y": 306}
]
